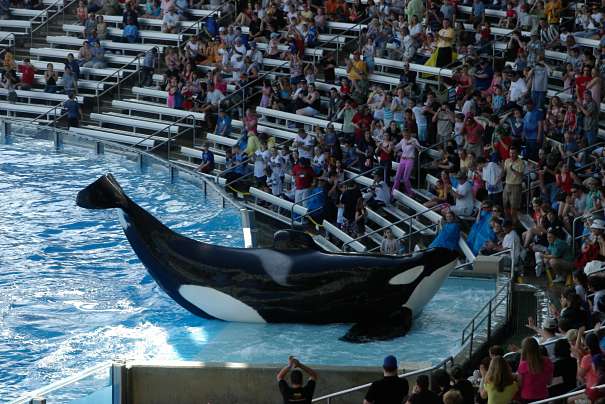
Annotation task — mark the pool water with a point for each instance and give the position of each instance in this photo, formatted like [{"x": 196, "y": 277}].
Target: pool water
[{"x": 73, "y": 293}]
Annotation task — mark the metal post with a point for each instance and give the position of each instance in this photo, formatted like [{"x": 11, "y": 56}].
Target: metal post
[
  {"x": 205, "y": 188},
  {"x": 173, "y": 173},
  {"x": 118, "y": 383},
  {"x": 58, "y": 139},
  {"x": 249, "y": 228},
  {"x": 410, "y": 236},
  {"x": 99, "y": 148},
  {"x": 489, "y": 322},
  {"x": 37, "y": 400},
  {"x": 140, "y": 161},
  {"x": 5, "y": 130}
]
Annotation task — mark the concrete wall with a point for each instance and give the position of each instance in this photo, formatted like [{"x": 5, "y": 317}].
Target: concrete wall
[{"x": 225, "y": 383}]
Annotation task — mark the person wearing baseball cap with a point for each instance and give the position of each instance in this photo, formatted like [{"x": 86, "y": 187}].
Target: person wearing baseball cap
[{"x": 389, "y": 389}]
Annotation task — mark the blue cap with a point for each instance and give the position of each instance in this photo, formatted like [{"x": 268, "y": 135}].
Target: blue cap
[{"x": 390, "y": 363}]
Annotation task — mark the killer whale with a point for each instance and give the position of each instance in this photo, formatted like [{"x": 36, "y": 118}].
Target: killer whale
[{"x": 294, "y": 282}]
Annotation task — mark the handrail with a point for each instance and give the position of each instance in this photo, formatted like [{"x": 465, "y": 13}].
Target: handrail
[
  {"x": 439, "y": 365},
  {"x": 46, "y": 113},
  {"x": 201, "y": 20},
  {"x": 118, "y": 82},
  {"x": 566, "y": 395},
  {"x": 431, "y": 147},
  {"x": 26, "y": 398},
  {"x": 409, "y": 218},
  {"x": 472, "y": 320},
  {"x": 44, "y": 23},
  {"x": 162, "y": 130},
  {"x": 274, "y": 69},
  {"x": 12, "y": 44}
]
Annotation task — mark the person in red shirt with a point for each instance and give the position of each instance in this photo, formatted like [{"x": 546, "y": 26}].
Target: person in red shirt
[
  {"x": 303, "y": 178},
  {"x": 361, "y": 120},
  {"x": 473, "y": 136},
  {"x": 502, "y": 147},
  {"x": 27, "y": 71},
  {"x": 581, "y": 82}
]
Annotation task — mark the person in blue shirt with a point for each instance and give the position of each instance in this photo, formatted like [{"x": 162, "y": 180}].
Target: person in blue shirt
[
  {"x": 482, "y": 230},
  {"x": 532, "y": 130},
  {"x": 131, "y": 32},
  {"x": 223, "y": 125},
  {"x": 149, "y": 64},
  {"x": 207, "y": 164},
  {"x": 449, "y": 234},
  {"x": 73, "y": 64},
  {"x": 74, "y": 113},
  {"x": 317, "y": 199},
  {"x": 483, "y": 75}
]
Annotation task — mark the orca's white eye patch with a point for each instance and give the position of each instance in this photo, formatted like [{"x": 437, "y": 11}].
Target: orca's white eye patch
[{"x": 407, "y": 277}]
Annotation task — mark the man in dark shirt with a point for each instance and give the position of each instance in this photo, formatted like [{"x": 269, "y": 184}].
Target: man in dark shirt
[
  {"x": 422, "y": 394},
  {"x": 391, "y": 389},
  {"x": 462, "y": 385},
  {"x": 74, "y": 113},
  {"x": 207, "y": 164},
  {"x": 296, "y": 393}
]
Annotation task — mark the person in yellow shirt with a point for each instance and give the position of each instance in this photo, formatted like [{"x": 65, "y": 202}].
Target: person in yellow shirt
[
  {"x": 445, "y": 39},
  {"x": 552, "y": 11},
  {"x": 356, "y": 69},
  {"x": 498, "y": 385}
]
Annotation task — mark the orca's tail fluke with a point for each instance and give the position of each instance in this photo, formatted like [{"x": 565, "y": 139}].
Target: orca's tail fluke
[{"x": 104, "y": 193}]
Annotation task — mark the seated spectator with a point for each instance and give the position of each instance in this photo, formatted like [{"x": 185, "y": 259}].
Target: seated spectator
[
  {"x": 449, "y": 233},
  {"x": 131, "y": 32},
  {"x": 170, "y": 22},
  {"x": 421, "y": 393},
  {"x": 207, "y": 164},
  {"x": 296, "y": 392},
  {"x": 81, "y": 12},
  {"x": 85, "y": 53},
  {"x": 558, "y": 257},
  {"x": 390, "y": 388},
  {"x": 28, "y": 72},
  {"x": 98, "y": 57},
  {"x": 463, "y": 194},
  {"x": 70, "y": 83},
  {"x": 90, "y": 25},
  {"x": 152, "y": 9},
  {"x": 312, "y": 101}
]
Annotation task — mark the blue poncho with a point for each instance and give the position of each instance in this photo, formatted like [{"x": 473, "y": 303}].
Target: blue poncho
[
  {"x": 448, "y": 237},
  {"x": 480, "y": 232}
]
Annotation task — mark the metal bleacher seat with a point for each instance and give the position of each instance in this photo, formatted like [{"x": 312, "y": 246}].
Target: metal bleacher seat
[
  {"x": 143, "y": 34},
  {"x": 65, "y": 40},
  {"x": 160, "y": 110},
  {"x": 39, "y": 96},
  {"x": 56, "y": 53},
  {"x": 343, "y": 237},
  {"x": 301, "y": 119},
  {"x": 21, "y": 26},
  {"x": 133, "y": 123},
  {"x": 116, "y": 136},
  {"x": 9, "y": 109}
]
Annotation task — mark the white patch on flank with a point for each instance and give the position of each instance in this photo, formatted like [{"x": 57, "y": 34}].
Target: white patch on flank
[
  {"x": 276, "y": 264},
  {"x": 427, "y": 288},
  {"x": 406, "y": 277},
  {"x": 219, "y": 305},
  {"x": 122, "y": 219}
]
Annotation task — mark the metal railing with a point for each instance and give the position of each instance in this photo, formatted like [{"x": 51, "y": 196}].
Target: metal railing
[
  {"x": 566, "y": 395},
  {"x": 47, "y": 17},
  {"x": 44, "y": 391},
  {"x": 45, "y": 114},
  {"x": 170, "y": 137},
  {"x": 119, "y": 78},
  {"x": 11, "y": 39},
  {"x": 409, "y": 219},
  {"x": 202, "y": 20},
  {"x": 328, "y": 398},
  {"x": 418, "y": 160}
]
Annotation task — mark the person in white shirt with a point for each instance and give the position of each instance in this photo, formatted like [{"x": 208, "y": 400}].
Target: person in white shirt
[
  {"x": 491, "y": 173},
  {"x": 261, "y": 158},
  {"x": 213, "y": 98},
  {"x": 463, "y": 194},
  {"x": 518, "y": 89},
  {"x": 170, "y": 22},
  {"x": 511, "y": 240},
  {"x": 304, "y": 143}
]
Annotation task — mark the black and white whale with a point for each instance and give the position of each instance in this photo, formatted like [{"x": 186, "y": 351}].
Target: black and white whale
[{"x": 294, "y": 282}]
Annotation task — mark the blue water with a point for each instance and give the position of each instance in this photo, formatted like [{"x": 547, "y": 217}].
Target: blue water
[{"x": 72, "y": 292}]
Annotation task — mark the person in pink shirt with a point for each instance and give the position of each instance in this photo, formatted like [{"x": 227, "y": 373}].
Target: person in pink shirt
[
  {"x": 407, "y": 147},
  {"x": 535, "y": 371}
]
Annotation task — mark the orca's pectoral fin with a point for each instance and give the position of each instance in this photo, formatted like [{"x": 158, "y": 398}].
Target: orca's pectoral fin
[
  {"x": 104, "y": 193},
  {"x": 395, "y": 325}
]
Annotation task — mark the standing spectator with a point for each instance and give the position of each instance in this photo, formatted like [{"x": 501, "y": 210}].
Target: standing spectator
[
  {"x": 535, "y": 48},
  {"x": 389, "y": 244},
  {"x": 445, "y": 40},
  {"x": 70, "y": 83},
  {"x": 357, "y": 69},
  {"x": 223, "y": 125},
  {"x": 514, "y": 169},
  {"x": 499, "y": 385},
  {"x": 461, "y": 384},
  {"x": 539, "y": 82},
  {"x": 304, "y": 144},
  {"x": 207, "y": 164},
  {"x": 74, "y": 113},
  {"x": 391, "y": 388},
  {"x": 303, "y": 178},
  {"x": 565, "y": 369},
  {"x": 535, "y": 371},
  {"x": 473, "y": 136},
  {"x": 463, "y": 194},
  {"x": 73, "y": 65},
  {"x": 170, "y": 22},
  {"x": 491, "y": 174},
  {"x": 149, "y": 64},
  {"x": 532, "y": 129},
  {"x": 296, "y": 392},
  {"x": 422, "y": 394},
  {"x": 50, "y": 79},
  {"x": 590, "y": 110},
  {"x": 408, "y": 146}
]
